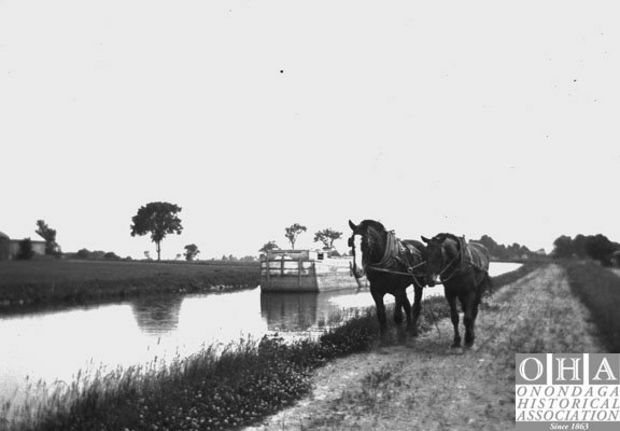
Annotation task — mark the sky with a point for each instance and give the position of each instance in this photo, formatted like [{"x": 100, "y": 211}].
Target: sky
[{"x": 478, "y": 117}]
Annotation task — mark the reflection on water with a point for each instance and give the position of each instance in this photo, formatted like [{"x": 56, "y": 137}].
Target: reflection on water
[
  {"x": 55, "y": 345},
  {"x": 286, "y": 312},
  {"x": 303, "y": 312},
  {"x": 156, "y": 314}
]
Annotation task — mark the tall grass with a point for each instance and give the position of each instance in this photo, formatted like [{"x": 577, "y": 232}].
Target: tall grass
[
  {"x": 212, "y": 389},
  {"x": 599, "y": 289}
]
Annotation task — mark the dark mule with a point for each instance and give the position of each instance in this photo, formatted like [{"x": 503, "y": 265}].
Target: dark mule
[
  {"x": 464, "y": 271},
  {"x": 390, "y": 266}
]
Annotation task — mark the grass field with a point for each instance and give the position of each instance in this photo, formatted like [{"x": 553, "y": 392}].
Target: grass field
[
  {"x": 599, "y": 289},
  {"x": 41, "y": 282}
]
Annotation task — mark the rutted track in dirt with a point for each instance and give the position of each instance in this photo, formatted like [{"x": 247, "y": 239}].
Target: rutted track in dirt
[{"x": 423, "y": 384}]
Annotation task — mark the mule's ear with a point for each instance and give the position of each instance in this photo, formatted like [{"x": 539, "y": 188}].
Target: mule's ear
[
  {"x": 425, "y": 239},
  {"x": 352, "y": 225}
]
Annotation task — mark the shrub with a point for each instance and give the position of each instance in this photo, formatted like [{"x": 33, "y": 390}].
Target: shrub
[
  {"x": 25, "y": 251},
  {"x": 83, "y": 253},
  {"x": 111, "y": 256}
]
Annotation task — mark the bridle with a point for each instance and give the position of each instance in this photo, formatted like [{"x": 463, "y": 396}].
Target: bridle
[{"x": 448, "y": 265}]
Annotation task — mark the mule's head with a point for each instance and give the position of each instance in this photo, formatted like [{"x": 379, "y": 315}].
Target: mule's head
[
  {"x": 366, "y": 241},
  {"x": 355, "y": 243},
  {"x": 441, "y": 251}
]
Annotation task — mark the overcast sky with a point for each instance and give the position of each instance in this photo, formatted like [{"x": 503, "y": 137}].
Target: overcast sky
[{"x": 468, "y": 117}]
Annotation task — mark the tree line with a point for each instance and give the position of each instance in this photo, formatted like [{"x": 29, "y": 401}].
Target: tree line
[
  {"x": 160, "y": 219},
  {"x": 515, "y": 251},
  {"x": 597, "y": 247}
]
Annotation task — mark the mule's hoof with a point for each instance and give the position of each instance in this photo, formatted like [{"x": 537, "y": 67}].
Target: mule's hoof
[
  {"x": 468, "y": 344},
  {"x": 456, "y": 344}
]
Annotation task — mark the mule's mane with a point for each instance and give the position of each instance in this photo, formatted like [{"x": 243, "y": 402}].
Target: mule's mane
[
  {"x": 441, "y": 237},
  {"x": 365, "y": 224}
]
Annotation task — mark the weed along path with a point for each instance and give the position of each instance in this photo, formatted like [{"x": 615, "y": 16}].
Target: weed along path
[{"x": 423, "y": 384}]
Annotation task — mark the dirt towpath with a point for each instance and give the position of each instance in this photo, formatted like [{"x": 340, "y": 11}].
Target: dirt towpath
[{"x": 424, "y": 385}]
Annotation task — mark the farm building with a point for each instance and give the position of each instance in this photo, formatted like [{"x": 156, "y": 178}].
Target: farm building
[{"x": 10, "y": 247}]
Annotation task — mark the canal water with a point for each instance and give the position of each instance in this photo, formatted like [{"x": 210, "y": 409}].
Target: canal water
[{"x": 52, "y": 347}]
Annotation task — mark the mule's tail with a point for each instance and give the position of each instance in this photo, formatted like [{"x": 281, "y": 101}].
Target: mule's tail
[{"x": 487, "y": 285}]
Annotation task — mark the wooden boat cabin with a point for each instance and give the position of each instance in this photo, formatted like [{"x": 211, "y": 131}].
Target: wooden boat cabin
[{"x": 306, "y": 271}]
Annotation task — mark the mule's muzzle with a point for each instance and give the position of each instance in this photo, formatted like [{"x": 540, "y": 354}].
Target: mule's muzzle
[{"x": 355, "y": 271}]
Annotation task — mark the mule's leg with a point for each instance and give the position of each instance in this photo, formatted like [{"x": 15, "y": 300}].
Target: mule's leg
[
  {"x": 398, "y": 312},
  {"x": 406, "y": 307},
  {"x": 378, "y": 297},
  {"x": 454, "y": 316},
  {"x": 486, "y": 284},
  {"x": 469, "y": 302},
  {"x": 417, "y": 300}
]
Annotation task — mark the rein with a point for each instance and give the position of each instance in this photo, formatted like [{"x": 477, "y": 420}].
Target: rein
[
  {"x": 448, "y": 266},
  {"x": 408, "y": 273}
]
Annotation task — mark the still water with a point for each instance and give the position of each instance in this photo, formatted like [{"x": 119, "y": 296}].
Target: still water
[{"x": 53, "y": 346}]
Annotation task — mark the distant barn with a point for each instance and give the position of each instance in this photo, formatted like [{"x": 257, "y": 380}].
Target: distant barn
[{"x": 9, "y": 248}]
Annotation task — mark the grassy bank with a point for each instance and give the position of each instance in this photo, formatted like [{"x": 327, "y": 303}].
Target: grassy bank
[
  {"x": 49, "y": 282},
  {"x": 209, "y": 391},
  {"x": 599, "y": 289}
]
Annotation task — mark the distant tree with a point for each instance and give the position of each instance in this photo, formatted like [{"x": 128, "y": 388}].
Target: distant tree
[
  {"x": 83, "y": 253},
  {"x": 111, "y": 256},
  {"x": 292, "y": 232},
  {"x": 271, "y": 245},
  {"x": 147, "y": 255},
  {"x": 579, "y": 246},
  {"x": 327, "y": 237},
  {"x": 178, "y": 256},
  {"x": 232, "y": 258},
  {"x": 563, "y": 247},
  {"x": 191, "y": 251},
  {"x": 159, "y": 219},
  {"x": 496, "y": 250},
  {"x": 600, "y": 248},
  {"x": 49, "y": 235},
  {"x": 248, "y": 258},
  {"x": 25, "y": 251}
]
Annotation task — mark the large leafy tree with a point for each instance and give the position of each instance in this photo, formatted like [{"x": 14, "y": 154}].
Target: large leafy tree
[
  {"x": 292, "y": 232},
  {"x": 159, "y": 219},
  {"x": 49, "y": 235},
  {"x": 327, "y": 237}
]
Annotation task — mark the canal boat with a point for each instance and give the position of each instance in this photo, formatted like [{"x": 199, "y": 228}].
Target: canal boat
[{"x": 306, "y": 271}]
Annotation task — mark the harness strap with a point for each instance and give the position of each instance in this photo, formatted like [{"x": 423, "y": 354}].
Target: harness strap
[
  {"x": 392, "y": 247},
  {"x": 409, "y": 273},
  {"x": 466, "y": 257}
]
